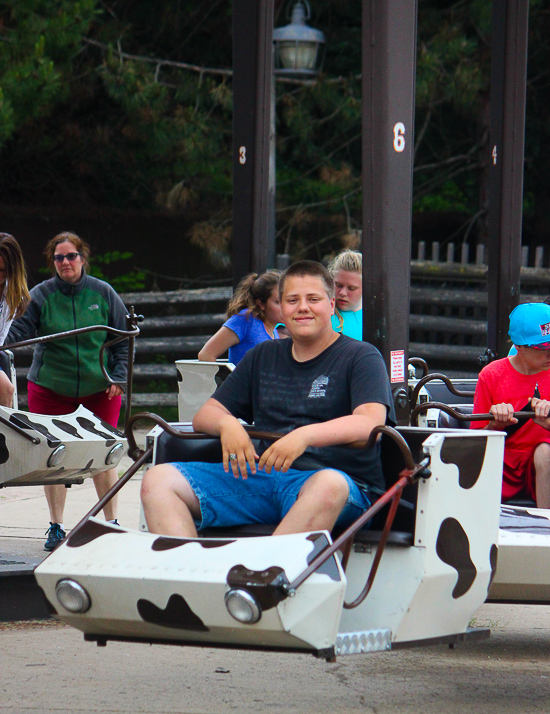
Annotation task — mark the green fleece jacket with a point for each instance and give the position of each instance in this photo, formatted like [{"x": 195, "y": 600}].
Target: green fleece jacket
[{"x": 71, "y": 366}]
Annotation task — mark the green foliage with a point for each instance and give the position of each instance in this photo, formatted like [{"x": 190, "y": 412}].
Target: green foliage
[
  {"x": 449, "y": 197},
  {"x": 108, "y": 266},
  {"x": 94, "y": 109},
  {"x": 39, "y": 41}
]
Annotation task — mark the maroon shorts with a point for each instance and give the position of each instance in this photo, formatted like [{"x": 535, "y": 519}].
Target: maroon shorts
[
  {"x": 44, "y": 401},
  {"x": 519, "y": 477}
]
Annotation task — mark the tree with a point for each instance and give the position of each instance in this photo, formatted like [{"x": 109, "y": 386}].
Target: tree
[{"x": 128, "y": 104}]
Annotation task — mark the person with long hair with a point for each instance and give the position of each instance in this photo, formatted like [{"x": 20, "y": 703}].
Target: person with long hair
[
  {"x": 254, "y": 312},
  {"x": 14, "y": 298},
  {"x": 66, "y": 373},
  {"x": 347, "y": 270}
]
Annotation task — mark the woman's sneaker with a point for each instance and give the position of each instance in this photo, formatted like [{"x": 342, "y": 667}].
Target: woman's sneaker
[{"x": 56, "y": 536}]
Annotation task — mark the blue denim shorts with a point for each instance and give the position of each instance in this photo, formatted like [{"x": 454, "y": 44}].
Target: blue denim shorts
[{"x": 261, "y": 498}]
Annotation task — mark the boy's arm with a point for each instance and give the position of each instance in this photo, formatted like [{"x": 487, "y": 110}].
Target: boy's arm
[{"x": 355, "y": 428}]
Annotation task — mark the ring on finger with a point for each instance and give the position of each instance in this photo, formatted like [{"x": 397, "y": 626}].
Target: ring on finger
[{"x": 232, "y": 457}]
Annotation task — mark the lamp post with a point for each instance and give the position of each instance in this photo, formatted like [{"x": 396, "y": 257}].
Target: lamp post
[{"x": 297, "y": 52}]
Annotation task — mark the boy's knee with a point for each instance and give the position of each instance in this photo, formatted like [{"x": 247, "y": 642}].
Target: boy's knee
[
  {"x": 7, "y": 390},
  {"x": 541, "y": 458},
  {"x": 153, "y": 481},
  {"x": 331, "y": 487}
]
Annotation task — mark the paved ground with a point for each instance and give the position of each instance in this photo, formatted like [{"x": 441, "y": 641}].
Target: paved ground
[{"x": 51, "y": 669}]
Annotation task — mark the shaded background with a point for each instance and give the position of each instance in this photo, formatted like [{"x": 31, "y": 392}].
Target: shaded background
[{"x": 115, "y": 122}]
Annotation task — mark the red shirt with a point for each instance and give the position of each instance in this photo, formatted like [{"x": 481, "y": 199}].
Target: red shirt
[{"x": 499, "y": 382}]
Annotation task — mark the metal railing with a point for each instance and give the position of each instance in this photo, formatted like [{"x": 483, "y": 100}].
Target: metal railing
[{"x": 129, "y": 334}]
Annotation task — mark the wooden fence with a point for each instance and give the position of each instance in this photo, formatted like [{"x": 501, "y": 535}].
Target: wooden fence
[
  {"x": 176, "y": 326},
  {"x": 448, "y": 320}
]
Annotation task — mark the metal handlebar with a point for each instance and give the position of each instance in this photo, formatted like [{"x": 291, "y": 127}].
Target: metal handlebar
[
  {"x": 130, "y": 334},
  {"x": 461, "y": 416},
  {"x": 69, "y": 333},
  {"x": 419, "y": 362},
  {"x": 134, "y": 452},
  {"x": 443, "y": 377}
]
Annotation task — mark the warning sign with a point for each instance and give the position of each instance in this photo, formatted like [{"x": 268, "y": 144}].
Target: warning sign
[{"x": 397, "y": 366}]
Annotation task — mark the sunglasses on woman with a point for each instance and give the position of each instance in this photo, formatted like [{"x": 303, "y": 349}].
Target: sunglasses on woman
[{"x": 59, "y": 257}]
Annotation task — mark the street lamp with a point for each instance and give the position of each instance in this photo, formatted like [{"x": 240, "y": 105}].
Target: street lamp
[
  {"x": 298, "y": 47},
  {"x": 297, "y": 52}
]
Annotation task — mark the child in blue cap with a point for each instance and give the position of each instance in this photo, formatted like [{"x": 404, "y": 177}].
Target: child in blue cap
[{"x": 521, "y": 382}]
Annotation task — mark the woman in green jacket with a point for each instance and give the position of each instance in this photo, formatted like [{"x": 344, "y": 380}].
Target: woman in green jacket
[{"x": 66, "y": 373}]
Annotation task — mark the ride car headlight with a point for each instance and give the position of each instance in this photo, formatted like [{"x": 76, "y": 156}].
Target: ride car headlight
[
  {"x": 57, "y": 456},
  {"x": 72, "y": 596},
  {"x": 114, "y": 455},
  {"x": 242, "y": 606}
]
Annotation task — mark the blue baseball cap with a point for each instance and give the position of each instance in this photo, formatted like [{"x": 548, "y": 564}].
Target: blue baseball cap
[{"x": 530, "y": 325}]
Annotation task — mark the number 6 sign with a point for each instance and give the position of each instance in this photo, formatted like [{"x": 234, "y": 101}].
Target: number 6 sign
[{"x": 399, "y": 137}]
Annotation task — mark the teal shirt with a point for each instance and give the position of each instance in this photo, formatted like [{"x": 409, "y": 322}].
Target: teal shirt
[{"x": 353, "y": 323}]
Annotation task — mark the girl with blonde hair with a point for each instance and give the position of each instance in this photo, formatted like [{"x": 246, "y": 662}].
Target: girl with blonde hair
[
  {"x": 347, "y": 270},
  {"x": 254, "y": 313},
  {"x": 14, "y": 298}
]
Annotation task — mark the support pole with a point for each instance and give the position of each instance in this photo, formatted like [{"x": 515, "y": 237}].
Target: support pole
[
  {"x": 508, "y": 88},
  {"x": 252, "y": 88},
  {"x": 389, "y": 65}
]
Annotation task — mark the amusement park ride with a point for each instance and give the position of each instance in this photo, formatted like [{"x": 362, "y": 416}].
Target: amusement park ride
[{"x": 440, "y": 543}]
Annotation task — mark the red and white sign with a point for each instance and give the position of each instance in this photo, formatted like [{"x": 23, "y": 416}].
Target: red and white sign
[{"x": 397, "y": 366}]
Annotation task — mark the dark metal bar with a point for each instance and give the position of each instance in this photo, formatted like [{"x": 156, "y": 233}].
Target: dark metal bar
[
  {"x": 381, "y": 545},
  {"x": 134, "y": 452},
  {"x": 130, "y": 334},
  {"x": 460, "y": 416},
  {"x": 389, "y": 61},
  {"x": 399, "y": 440},
  {"x": 252, "y": 87},
  {"x": 508, "y": 88},
  {"x": 69, "y": 333},
  {"x": 419, "y": 362},
  {"x": 102, "y": 349},
  {"x": 430, "y": 378}
]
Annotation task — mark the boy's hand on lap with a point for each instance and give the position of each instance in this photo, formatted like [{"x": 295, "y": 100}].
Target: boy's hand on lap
[
  {"x": 283, "y": 452},
  {"x": 236, "y": 443}
]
